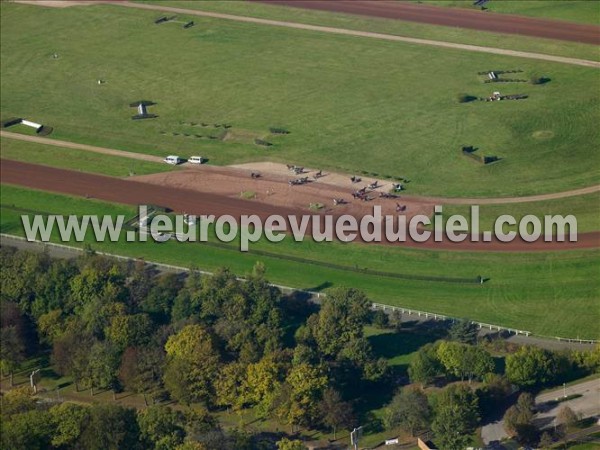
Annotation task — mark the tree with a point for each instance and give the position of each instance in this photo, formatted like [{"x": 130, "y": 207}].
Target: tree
[
  {"x": 456, "y": 417},
  {"x": 70, "y": 354},
  {"x": 230, "y": 387},
  {"x": 111, "y": 427},
  {"x": 192, "y": 364},
  {"x": 518, "y": 419},
  {"x": 530, "y": 366},
  {"x": 359, "y": 353},
  {"x": 31, "y": 430},
  {"x": 396, "y": 320},
  {"x": 52, "y": 288},
  {"x": 103, "y": 366},
  {"x": 306, "y": 388},
  {"x": 409, "y": 409},
  {"x": 286, "y": 444},
  {"x": 462, "y": 360},
  {"x": 464, "y": 331},
  {"x": 141, "y": 370},
  {"x": 425, "y": 366},
  {"x": 263, "y": 380},
  {"x": 161, "y": 427},
  {"x": 380, "y": 319},
  {"x": 51, "y": 325},
  {"x": 129, "y": 330},
  {"x": 546, "y": 441},
  {"x": 334, "y": 411},
  {"x": 342, "y": 316},
  {"x": 17, "y": 401},
  {"x": 68, "y": 420},
  {"x": 159, "y": 300},
  {"x": 567, "y": 417},
  {"x": 14, "y": 338}
]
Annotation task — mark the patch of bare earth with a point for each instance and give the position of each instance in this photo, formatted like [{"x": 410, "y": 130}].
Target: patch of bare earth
[{"x": 273, "y": 188}]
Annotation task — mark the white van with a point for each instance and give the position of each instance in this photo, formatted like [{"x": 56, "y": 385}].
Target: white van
[
  {"x": 172, "y": 159},
  {"x": 195, "y": 160}
]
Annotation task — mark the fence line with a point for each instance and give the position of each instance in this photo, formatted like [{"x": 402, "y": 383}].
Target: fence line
[{"x": 318, "y": 295}]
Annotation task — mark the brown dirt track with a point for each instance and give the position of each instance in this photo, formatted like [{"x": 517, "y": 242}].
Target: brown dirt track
[
  {"x": 132, "y": 192},
  {"x": 454, "y": 17}
]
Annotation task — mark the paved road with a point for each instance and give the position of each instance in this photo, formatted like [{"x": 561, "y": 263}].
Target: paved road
[
  {"x": 366, "y": 34},
  {"x": 588, "y": 405}
]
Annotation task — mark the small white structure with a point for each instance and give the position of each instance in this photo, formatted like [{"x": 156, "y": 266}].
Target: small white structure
[
  {"x": 196, "y": 160},
  {"x": 172, "y": 159},
  {"x": 31, "y": 124}
]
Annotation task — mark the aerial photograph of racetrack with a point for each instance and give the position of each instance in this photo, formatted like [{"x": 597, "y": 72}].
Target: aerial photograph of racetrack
[{"x": 300, "y": 224}]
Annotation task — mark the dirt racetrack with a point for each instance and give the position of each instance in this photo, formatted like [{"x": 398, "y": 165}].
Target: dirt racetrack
[
  {"x": 455, "y": 17},
  {"x": 136, "y": 192}
]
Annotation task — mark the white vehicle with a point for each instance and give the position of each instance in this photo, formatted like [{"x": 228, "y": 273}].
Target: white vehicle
[
  {"x": 172, "y": 159},
  {"x": 196, "y": 160}
]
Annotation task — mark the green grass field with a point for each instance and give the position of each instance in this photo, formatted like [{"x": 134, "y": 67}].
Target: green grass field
[
  {"x": 80, "y": 160},
  {"x": 402, "y": 119},
  {"x": 413, "y": 29},
  {"x": 585, "y": 208},
  {"x": 583, "y": 11},
  {"x": 525, "y": 290}
]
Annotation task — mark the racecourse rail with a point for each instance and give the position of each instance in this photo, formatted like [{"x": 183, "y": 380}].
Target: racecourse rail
[{"x": 314, "y": 295}]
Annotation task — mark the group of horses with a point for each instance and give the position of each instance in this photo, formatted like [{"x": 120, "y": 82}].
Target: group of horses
[{"x": 362, "y": 194}]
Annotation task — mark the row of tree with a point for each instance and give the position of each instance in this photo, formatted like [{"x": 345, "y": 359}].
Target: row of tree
[{"x": 27, "y": 424}]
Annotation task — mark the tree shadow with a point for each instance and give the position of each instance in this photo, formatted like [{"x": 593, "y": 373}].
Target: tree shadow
[{"x": 321, "y": 287}]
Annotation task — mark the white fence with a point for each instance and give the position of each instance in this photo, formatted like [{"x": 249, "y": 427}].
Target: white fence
[{"x": 318, "y": 295}]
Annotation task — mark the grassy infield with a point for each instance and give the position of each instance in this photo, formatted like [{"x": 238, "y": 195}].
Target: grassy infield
[{"x": 523, "y": 287}]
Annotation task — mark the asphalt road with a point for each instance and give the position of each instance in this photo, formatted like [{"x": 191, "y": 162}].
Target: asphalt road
[{"x": 588, "y": 405}]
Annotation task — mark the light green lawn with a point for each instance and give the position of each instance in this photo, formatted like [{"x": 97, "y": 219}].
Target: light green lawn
[
  {"x": 525, "y": 291},
  {"x": 81, "y": 160},
  {"x": 585, "y": 208},
  {"x": 389, "y": 108}
]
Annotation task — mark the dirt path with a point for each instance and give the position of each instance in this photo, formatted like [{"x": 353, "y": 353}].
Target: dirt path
[
  {"x": 76, "y": 146},
  {"x": 223, "y": 180},
  {"x": 342, "y": 180},
  {"x": 182, "y": 199},
  {"x": 367, "y": 34},
  {"x": 462, "y": 18}
]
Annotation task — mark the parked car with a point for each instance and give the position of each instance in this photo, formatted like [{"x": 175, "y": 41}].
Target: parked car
[
  {"x": 196, "y": 160},
  {"x": 172, "y": 159}
]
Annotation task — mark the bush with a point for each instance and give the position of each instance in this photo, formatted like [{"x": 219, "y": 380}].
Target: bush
[
  {"x": 380, "y": 319},
  {"x": 262, "y": 142},
  {"x": 274, "y": 130}
]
